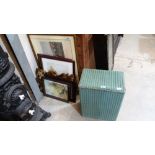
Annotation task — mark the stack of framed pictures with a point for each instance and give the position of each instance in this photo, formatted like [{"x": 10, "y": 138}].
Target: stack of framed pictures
[
  {"x": 54, "y": 45},
  {"x": 59, "y": 79}
]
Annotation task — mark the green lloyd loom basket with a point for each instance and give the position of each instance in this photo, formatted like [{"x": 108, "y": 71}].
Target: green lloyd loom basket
[{"x": 101, "y": 93}]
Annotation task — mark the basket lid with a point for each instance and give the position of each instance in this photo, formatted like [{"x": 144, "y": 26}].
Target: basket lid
[{"x": 102, "y": 80}]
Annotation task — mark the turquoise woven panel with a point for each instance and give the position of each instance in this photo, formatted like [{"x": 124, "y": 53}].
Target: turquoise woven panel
[
  {"x": 102, "y": 79},
  {"x": 101, "y": 93}
]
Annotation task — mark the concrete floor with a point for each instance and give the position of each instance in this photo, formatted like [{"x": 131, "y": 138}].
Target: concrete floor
[
  {"x": 62, "y": 111},
  {"x": 136, "y": 58}
]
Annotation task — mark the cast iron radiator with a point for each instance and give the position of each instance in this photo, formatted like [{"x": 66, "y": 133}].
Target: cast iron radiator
[{"x": 15, "y": 103}]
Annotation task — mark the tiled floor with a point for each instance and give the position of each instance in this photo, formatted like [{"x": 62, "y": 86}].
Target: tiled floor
[{"x": 136, "y": 57}]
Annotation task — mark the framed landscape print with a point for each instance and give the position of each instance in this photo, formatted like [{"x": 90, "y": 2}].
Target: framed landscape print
[
  {"x": 56, "y": 89},
  {"x": 57, "y": 65},
  {"x": 54, "y": 45}
]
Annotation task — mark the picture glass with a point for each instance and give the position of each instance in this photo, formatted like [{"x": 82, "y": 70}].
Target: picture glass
[
  {"x": 54, "y": 45},
  {"x": 52, "y": 48},
  {"x": 58, "y": 66},
  {"x": 56, "y": 89}
]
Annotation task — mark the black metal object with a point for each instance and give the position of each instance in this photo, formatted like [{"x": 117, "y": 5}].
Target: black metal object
[
  {"x": 101, "y": 52},
  {"x": 15, "y": 103}
]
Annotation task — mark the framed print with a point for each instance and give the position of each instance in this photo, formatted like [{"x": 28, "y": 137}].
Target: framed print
[
  {"x": 54, "y": 45},
  {"x": 56, "y": 89},
  {"x": 57, "y": 65},
  {"x": 72, "y": 84}
]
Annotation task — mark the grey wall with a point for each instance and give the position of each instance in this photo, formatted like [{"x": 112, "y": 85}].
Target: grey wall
[{"x": 25, "y": 64}]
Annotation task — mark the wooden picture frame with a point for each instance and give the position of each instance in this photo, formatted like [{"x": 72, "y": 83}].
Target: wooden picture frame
[
  {"x": 56, "y": 89},
  {"x": 41, "y": 44},
  {"x": 56, "y": 63},
  {"x": 72, "y": 85}
]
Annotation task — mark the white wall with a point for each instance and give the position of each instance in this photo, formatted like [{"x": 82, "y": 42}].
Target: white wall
[{"x": 28, "y": 51}]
